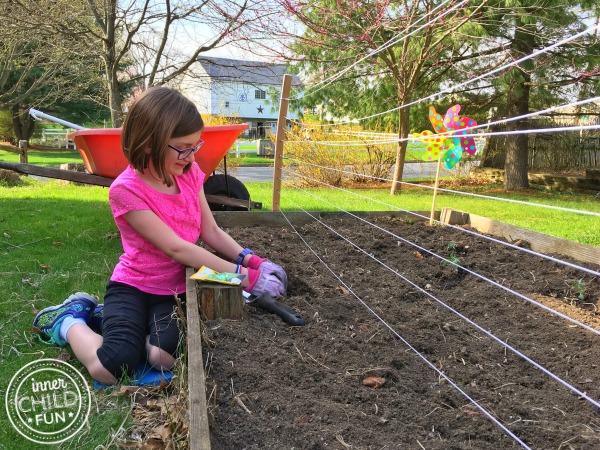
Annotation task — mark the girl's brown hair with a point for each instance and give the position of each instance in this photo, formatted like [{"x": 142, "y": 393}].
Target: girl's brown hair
[{"x": 155, "y": 117}]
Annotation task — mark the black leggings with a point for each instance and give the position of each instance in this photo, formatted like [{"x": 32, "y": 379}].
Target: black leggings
[{"x": 130, "y": 316}]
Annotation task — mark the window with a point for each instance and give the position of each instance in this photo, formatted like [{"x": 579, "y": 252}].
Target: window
[
  {"x": 260, "y": 94},
  {"x": 226, "y": 104}
]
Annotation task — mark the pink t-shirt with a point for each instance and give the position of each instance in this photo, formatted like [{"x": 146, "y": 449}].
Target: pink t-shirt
[{"x": 143, "y": 265}]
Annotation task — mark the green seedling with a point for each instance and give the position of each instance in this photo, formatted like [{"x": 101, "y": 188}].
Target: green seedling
[
  {"x": 452, "y": 257},
  {"x": 579, "y": 287}
]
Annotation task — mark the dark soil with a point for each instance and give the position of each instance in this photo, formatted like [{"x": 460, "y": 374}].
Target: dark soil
[{"x": 303, "y": 387}]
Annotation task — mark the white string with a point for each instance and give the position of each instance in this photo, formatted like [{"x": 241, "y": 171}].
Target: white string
[
  {"x": 398, "y": 38},
  {"x": 449, "y": 135},
  {"x": 484, "y": 125},
  {"x": 507, "y": 244},
  {"x": 413, "y": 349},
  {"x": 479, "y": 77},
  {"x": 470, "y": 194},
  {"x": 463, "y": 317},
  {"x": 481, "y": 277}
]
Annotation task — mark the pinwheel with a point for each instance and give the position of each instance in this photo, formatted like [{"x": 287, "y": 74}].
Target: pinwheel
[{"x": 448, "y": 142}]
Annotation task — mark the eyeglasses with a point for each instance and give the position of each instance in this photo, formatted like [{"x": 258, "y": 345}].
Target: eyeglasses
[{"x": 185, "y": 152}]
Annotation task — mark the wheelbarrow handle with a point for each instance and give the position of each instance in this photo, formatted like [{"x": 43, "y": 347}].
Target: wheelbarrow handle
[{"x": 40, "y": 115}]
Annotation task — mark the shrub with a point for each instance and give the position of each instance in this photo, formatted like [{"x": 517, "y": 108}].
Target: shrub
[
  {"x": 330, "y": 156},
  {"x": 9, "y": 178},
  {"x": 374, "y": 164},
  {"x": 7, "y": 133}
]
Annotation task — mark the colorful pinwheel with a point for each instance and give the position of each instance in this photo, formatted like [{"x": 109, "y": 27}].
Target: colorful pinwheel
[{"x": 451, "y": 144}]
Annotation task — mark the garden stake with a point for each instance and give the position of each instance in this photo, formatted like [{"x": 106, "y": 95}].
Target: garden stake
[{"x": 435, "y": 189}]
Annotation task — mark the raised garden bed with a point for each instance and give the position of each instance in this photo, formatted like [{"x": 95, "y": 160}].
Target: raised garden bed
[{"x": 271, "y": 386}]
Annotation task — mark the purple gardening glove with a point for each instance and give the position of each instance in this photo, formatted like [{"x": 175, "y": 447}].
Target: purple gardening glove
[
  {"x": 261, "y": 281},
  {"x": 269, "y": 267}
]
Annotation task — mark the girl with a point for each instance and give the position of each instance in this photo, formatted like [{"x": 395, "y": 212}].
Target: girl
[{"x": 160, "y": 209}]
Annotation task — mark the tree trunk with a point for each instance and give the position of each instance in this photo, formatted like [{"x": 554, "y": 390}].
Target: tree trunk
[
  {"x": 114, "y": 98},
  {"x": 404, "y": 126},
  {"x": 517, "y": 104},
  {"x": 494, "y": 152},
  {"x": 23, "y": 124},
  {"x": 110, "y": 63}
]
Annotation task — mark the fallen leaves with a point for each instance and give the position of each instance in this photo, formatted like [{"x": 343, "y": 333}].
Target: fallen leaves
[
  {"x": 343, "y": 290},
  {"x": 374, "y": 381},
  {"x": 471, "y": 410},
  {"x": 64, "y": 356},
  {"x": 160, "y": 417}
]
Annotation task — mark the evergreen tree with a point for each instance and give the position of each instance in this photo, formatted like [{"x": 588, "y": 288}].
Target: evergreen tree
[
  {"x": 563, "y": 75},
  {"x": 400, "y": 57}
]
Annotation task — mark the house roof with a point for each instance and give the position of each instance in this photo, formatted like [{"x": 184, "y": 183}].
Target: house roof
[{"x": 253, "y": 72}]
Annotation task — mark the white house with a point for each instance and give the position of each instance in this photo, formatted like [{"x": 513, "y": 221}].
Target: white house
[{"x": 248, "y": 90}]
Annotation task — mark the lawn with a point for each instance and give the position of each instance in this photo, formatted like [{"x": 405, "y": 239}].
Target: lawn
[
  {"x": 56, "y": 158},
  {"x": 44, "y": 158},
  {"x": 568, "y": 225},
  {"x": 55, "y": 239},
  {"x": 58, "y": 238}
]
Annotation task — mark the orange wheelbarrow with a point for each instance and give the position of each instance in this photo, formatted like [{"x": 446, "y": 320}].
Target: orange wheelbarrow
[{"x": 102, "y": 155}]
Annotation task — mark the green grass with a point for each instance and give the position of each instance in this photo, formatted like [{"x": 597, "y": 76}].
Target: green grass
[
  {"x": 56, "y": 158},
  {"x": 253, "y": 159},
  {"x": 245, "y": 145},
  {"x": 54, "y": 240},
  {"x": 49, "y": 159},
  {"x": 57, "y": 239},
  {"x": 576, "y": 227}
]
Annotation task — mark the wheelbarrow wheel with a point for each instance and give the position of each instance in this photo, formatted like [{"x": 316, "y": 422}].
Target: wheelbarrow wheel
[{"x": 226, "y": 186}]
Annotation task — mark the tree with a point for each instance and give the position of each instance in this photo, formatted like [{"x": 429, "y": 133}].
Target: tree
[
  {"x": 121, "y": 33},
  {"x": 563, "y": 75},
  {"x": 454, "y": 48},
  {"x": 38, "y": 69},
  {"x": 384, "y": 52}
]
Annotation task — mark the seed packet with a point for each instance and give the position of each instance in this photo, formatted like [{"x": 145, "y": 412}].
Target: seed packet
[{"x": 207, "y": 274}]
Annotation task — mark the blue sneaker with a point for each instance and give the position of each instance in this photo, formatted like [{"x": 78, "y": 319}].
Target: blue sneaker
[
  {"x": 95, "y": 322},
  {"x": 48, "y": 320}
]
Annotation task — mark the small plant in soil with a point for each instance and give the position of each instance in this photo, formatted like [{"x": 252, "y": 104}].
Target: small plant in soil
[
  {"x": 578, "y": 286},
  {"x": 453, "y": 257}
]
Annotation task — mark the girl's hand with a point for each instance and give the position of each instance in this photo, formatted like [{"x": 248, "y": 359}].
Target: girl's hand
[
  {"x": 269, "y": 267},
  {"x": 260, "y": 281}
]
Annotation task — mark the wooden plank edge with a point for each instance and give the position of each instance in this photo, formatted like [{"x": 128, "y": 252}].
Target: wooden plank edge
[
  {"x": 198, "y": 412},
  {"x": 539, "y": 242},
  {"x": 53, "y": 172}
]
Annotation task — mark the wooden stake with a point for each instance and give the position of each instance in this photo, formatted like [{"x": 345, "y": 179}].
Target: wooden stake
[
  {"x": 23, "y": 159},
  {"x": 281, "y": 126},
  {"x": 435, "y": 190},
  {"x": 218, "y": 300}
]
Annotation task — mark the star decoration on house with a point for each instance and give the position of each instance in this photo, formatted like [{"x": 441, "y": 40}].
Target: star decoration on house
[{"x": 260, "y": 109}]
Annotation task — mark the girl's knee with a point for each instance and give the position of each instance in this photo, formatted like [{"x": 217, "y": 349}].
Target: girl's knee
[
  {"x": 99, "y": 373},
  {"x": 122, "y": 348},
  {"x": 159, "y": 359},
  {"x": 120, "y": 360}
]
